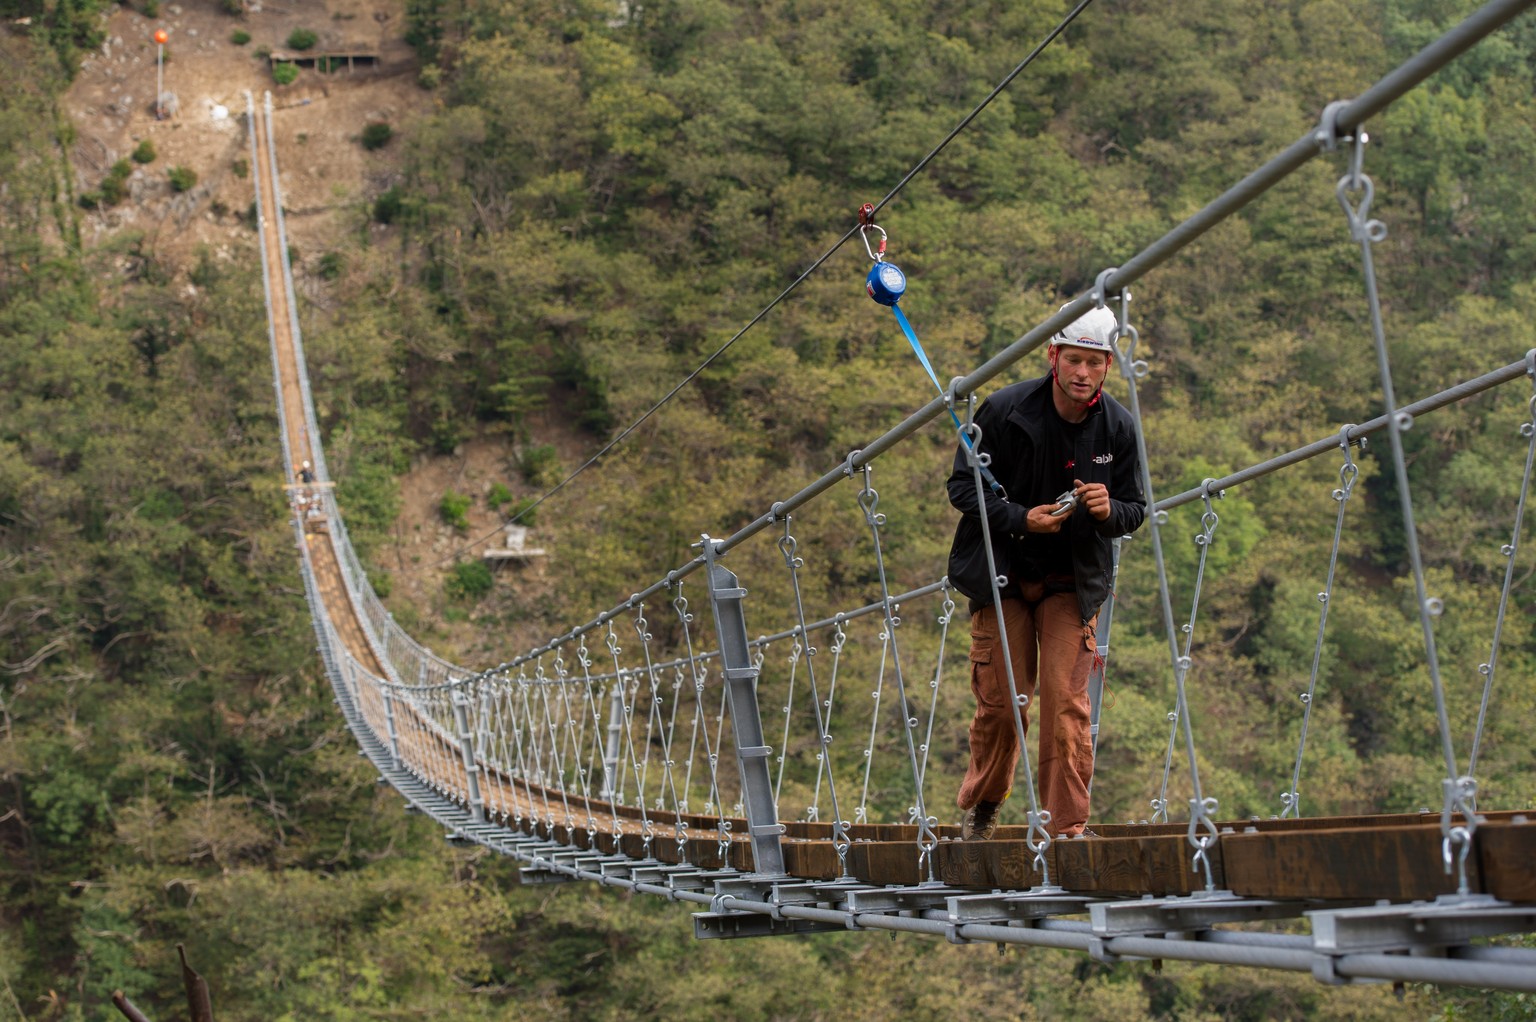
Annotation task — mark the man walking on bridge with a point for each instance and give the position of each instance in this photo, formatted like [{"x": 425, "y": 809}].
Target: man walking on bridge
[{"x": 1066, "y": 454}]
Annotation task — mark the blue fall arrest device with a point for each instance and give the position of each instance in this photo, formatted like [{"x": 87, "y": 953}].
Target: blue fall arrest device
[{"x": 886, "y": 284}]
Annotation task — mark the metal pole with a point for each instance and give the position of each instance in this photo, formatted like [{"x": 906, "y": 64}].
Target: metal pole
[
  {"x": 467, "y": 748},
  {"x": 752, "y": 752},
  {"x": 611, "y": 742},
  {"x": 389, "y": 725}
]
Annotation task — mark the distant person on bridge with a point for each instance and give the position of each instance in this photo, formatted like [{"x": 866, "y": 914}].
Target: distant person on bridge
[{"x": 1048, "y": 438}]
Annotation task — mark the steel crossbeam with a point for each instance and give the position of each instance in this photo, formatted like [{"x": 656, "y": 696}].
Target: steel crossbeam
[
  {"x": 1183, "y": 915},
  {"x": 997, "y": 907},
  {"x": 821, "y": 892},
  {"x": 903, "y": 899},
  {"x": 1448, "y": 921},
  {"x": 728, "y": 925}
]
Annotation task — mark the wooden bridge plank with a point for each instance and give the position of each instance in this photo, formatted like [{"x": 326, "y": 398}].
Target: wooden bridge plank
[
  {"x": 885, "y": 862},
  {"x": 1160, "y": 865},
  {"x": 1395, "y": 863},
  {"x": 812, "y": 860},
  {"x": 1506, "y": 858},
  {"x": 1009, "y": 865}
]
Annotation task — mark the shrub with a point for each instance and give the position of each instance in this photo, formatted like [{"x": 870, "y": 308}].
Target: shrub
[
  {"x": 452, "y": 507},
  {"x": 302, "y": 39},
  {"x": 430, "y": 77},
  {"x": 388, "y": 205},
  {"x": 285, "y": 73},
  {"x": 239, "y": 37},
  {"x": 241, "y": 167},
  {"x": 113, "y": 187},
  {"x": 498, "y": 496},
  {"x": 151, "y": 8},
  {"x": 383, "y": 583},
  {"x": 144, "y": 152},
  {"x": 376, "y": 135},
  {"x": 521, "y": 511},
  {"x": 469, "y": 580},
  {"x": 233, "y": 6},
  {"x": 262, "y": 52},
  {"x": 331, "y": 265},
  {"x": 182, "y": 178},
  {"x": 539, "y": 464}
]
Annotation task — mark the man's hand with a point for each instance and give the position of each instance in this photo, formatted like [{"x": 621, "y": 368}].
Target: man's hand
[
  {"x": 1043, "y": 519},
  {"x": 1094, "y": 497}
]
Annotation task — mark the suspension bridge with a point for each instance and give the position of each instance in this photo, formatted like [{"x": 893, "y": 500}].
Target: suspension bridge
[{"x": 604, "y": 755}]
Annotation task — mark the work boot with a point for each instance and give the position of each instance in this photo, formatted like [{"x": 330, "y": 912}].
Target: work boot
[{"x": 980, "y": 821}]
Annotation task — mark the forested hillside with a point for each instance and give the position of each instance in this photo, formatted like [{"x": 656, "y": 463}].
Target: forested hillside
[{"x": 594, "y": 198}]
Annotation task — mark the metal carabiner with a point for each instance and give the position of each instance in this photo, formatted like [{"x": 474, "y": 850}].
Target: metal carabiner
[{"x": 875, "y": 254}]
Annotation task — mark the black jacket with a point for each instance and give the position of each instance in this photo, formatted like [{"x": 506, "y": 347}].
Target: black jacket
[{"x": 1012, "y": 423}]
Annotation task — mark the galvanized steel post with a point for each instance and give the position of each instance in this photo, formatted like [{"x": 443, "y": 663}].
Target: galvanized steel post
[
  {"x": 389, "y": 725},
  {"x": 611, "y": 742},
  {"x": 763, "y": 827},
  {"x": 467, "y": 747}
]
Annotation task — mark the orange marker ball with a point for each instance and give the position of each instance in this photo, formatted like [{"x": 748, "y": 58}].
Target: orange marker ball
[{"x": 161, "y": 36}]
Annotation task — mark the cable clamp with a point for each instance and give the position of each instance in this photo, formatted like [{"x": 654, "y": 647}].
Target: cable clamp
[
  {"x": 1100, "y": 293},
  {"x": 848, "y": 466},
  {"x": 1327, "y": 134}
]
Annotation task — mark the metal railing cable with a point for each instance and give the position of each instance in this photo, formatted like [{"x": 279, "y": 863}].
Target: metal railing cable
[
  {"x": 1355, "y": 192},
  {"x": 1290, "y": 799},
  {"x": 1039, "y": 820},
  {"x": 1509, "y": 550},
  {"x": 1201, "y": 807}
]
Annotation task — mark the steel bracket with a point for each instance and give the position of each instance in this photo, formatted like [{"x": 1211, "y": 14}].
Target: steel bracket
[
  {"x": 1026, "y": 907},
  {"x": 901, "y": 899},
  {"x": 728, "y": 925},
  {"x": 1419, "y": 927},
  {"x": 1185, "y": 915}
]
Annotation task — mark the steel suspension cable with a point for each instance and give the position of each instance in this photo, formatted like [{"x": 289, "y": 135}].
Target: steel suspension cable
[
  {"x": 1290, "y": 800},
  {"x": 1203, "y": 539},
  {"x": 1510, "y": 549},
  {"x": 1200, "y": 807},
  {"x": 1038, "y": 837},
  {"x": 869, "y": 501},
  {"x": 1354, "y": 193}
]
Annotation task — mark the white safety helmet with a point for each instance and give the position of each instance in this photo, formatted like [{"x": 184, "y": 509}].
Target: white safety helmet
[
  {"x": 1094, "y": 329},
  {"x": 306, "y": 464}
]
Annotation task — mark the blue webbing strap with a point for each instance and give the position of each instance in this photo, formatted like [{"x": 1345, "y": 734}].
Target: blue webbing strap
[{"x": 922, "y": 356}]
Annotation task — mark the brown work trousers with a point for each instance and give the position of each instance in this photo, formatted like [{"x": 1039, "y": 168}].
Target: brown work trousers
[{"x": 1051, "y": 652}]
